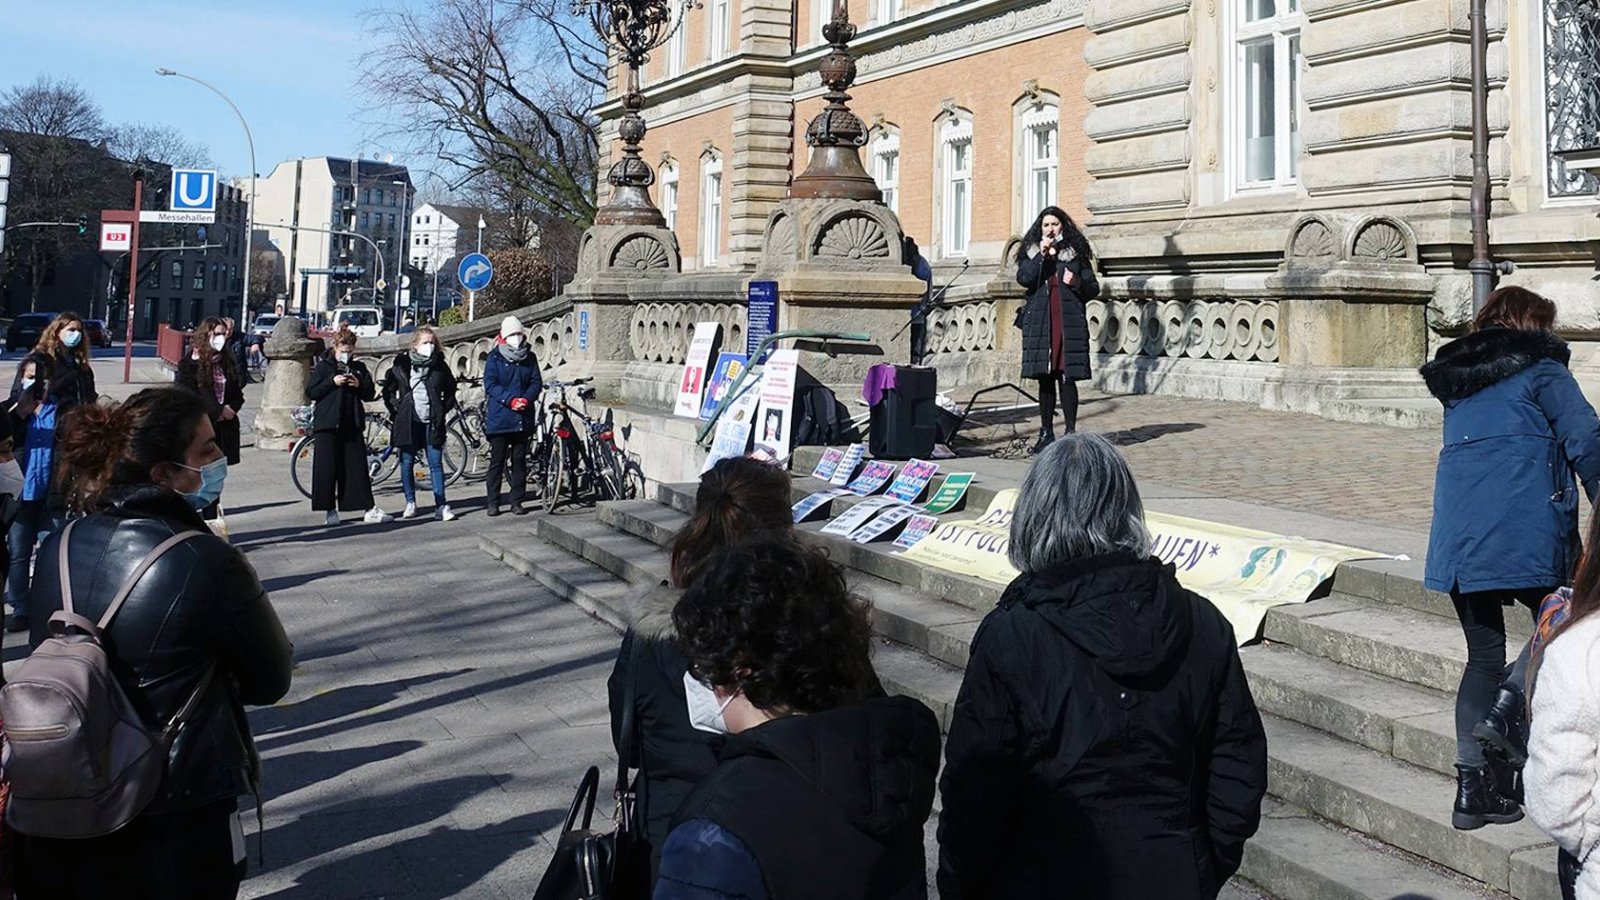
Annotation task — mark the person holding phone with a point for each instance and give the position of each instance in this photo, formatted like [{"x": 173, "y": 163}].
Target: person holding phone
[{"x": 340, "y": 384}]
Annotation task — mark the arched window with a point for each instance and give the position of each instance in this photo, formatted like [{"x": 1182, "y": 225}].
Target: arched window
[
  {"x": 710, "y": 208},
  {"x": 883, "y": 160},
  {"x": 953, "y": 167},
  {"x": 1037, "y": 172},
  {"x": 669, "y": 192}
]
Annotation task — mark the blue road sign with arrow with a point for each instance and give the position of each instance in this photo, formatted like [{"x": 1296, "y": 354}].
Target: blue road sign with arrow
[{"x": 475, "y": 272}]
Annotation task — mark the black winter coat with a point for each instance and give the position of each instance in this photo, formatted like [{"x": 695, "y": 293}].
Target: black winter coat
[
  {"x": 1034, "y": 272},
  {"x": 671, "y": 753},
  {"x": 200, "y": 604},
  {"x": 339, "y": 407},
  {"x": 832, "y": 804},
  {"x": 71, "y": 383},
  {"x": 441, "y": 386},
  {"x": 190, "y": 376},
  {"x": 1104, "y": 739}
]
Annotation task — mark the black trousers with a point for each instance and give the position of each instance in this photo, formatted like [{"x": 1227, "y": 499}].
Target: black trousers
[
  {"x": 176, "y": 856},
  {"x": 1047, "y": 402},
  {"x": 514, "y": 444},
  {"x": 1483, "y": 622},
  {"x": 339, "y": 478}
]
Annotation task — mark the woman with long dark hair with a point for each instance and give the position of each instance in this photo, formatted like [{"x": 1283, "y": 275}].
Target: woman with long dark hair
[
  {"x": 198, "y": 631},
  {"x": 1505, "y": 520},
  {"x": 1056, "y": 265},
  {"x": 738, "y": 498},
  {"x": 212, "y": 372}
]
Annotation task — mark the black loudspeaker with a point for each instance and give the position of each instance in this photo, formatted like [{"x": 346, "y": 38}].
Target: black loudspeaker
[{"x": 904, "y": 423}]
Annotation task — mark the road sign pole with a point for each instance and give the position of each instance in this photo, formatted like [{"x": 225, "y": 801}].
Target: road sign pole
[
  {"x": 472, "y": 305},
  {"x": 133, "y": 277}
]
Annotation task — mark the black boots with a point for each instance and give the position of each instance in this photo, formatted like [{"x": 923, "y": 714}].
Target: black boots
[
  {"x": 1046, "y": 438},
  {"x": 1478, "y": 803},
  {"x": 1504, "y": 731}
]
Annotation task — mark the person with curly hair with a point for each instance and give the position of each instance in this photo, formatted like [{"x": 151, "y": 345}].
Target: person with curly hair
[
  {"x": 737, "y": 498},
  {"x": 71, "y": 377},
  {"x": 823, "y": 785}
]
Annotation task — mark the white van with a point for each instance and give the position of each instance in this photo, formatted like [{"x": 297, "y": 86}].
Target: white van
[{"x": 365, "y": 321}]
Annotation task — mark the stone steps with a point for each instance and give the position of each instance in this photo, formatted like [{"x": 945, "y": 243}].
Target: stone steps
[
  {"x": 1392, "y": 641},
  {"x": 1295, "y": 855}
]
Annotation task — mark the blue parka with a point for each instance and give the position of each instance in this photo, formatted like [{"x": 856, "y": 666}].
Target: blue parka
[
  {"x": 1516, "y": 431},
  {"x": 504, "y": 381}
]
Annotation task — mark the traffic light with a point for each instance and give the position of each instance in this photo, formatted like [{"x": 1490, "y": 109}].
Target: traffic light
[
  {"x": 342, "y": 274},
  {"x": 83, "y": 225}
]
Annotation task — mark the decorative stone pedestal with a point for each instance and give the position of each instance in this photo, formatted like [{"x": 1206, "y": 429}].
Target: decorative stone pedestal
[
  {"x": 290, "y": 353},
  {"x": 614, "y": 263}
]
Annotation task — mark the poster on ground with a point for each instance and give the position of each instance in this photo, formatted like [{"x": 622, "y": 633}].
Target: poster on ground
[
  {"x": 692, "y": 384},
  {"x": 883, "y": 523},
  {"x": 828, "y": 463},
  {"x": 857, "y": 516},
  {"x": 732, "y": 437},
  {"x": 949, "y": 493},
  {"x": 813, "y": 502},
  {"x": 729, "y": 367},
  {"x": 1242, "y": 572},
  {"x": 913, "y": 480},
  {"x": 847, "y": 466},
  {"x": 874, "y": 475},
  {"x": 917, "y": 528},
  {"x": 775, "y": 415}
]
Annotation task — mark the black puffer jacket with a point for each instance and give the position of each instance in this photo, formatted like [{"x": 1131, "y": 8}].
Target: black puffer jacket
[
  {"x": 1034, "y": 272},
  {"x": 1104, "y": 738},
  {"x": 441, "y": 388},
  {"x": 671, "y": 753},
  {"x": 200, "y": 604}
]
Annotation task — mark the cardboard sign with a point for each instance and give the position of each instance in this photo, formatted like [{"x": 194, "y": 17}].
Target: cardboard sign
[
  {"x": 814, "y": 502},
  {"x": 695, "y": 368},
  {"x": 775, "y": 415},
  {"x": 913, "y": 480},
  {"x": 828, "y": 464},
  {"x": 732, "y": 437},
  {"x": 872, "y": 478},
  {"x": 917, "y": 528},
  {"x": 883, "y": 523},
  {"x": 729, "y": 365},
  {"x": 949, "y": 494},
  {"x": 847, "y": 466},
  {"x": 857, "y": 516}
]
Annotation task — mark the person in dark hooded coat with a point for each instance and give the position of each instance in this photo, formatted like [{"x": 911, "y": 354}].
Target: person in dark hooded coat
[
  {"x": 737, "y": 498},
  {"x": 1104, "y": 742},
  {"x": 822, "y": 788},
  {"x": 1505, "y": 521}
]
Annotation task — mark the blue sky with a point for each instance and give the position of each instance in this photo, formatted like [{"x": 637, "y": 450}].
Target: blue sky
[{"x": 291, "y": 66}]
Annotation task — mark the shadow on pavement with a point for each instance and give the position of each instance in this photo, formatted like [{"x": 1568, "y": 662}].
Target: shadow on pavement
[
  {"x": 257, "y": 507},
  {"x": 335, "y": 704},
  {"x": 1127, "y": 437},
  {"x": 285, "y": 582},
  {"x": 293, "y": 772}
]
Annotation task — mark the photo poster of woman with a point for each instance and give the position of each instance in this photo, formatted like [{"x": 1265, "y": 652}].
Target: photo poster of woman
[
  {"x": 729, "y": 367},
  {"x": 776, "y": 414},
  {"x": 693, "y": 383}
]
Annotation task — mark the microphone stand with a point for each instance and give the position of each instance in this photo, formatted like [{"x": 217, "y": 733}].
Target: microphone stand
[{"x": 923, "y": 307}]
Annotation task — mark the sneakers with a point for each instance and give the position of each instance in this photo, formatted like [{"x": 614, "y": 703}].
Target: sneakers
[
  {"x": 376, "y": 516},
  {"x": 331, "y": 519},
  {"x": 411, "y": 510},
  {"x": 443, "y": 513}
]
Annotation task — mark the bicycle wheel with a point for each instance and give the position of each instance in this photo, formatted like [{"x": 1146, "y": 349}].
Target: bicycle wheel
[
  {"x": 383, "y": 460},
  {"x": 455, "y": 455},
  {"x": 554, "y": 476},
  {"x": 608, "y": 484},
  {"x": 475, "y": 464},
  {"x": 300, "y": 465}
]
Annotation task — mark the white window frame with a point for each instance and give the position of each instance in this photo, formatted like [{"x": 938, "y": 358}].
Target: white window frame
[
  {"x": 711, "y": 203},
  {"x": 886, "y": 145},
  {"x": 885, "y": 11},
  {"x": 669, "y": 194},
  {"x": 955, "y": 218},
  {"x": 1282, "y": 31},
  {"x": 719, "y": 26},
  {"x": 1042, "y": 118},
  {"x": 677, "y": 45}
]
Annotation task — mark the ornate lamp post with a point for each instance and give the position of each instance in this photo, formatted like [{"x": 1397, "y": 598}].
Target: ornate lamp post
[
  {"x": 836, "y": 135},
  {"x": 634, "y": 27}
]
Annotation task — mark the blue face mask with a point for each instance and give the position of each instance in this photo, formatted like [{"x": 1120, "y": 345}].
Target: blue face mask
[
  {"x": 212, "y": 475},
  {"x": 70, "y": 339}
]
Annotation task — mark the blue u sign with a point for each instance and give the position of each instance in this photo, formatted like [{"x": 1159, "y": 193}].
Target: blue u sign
[{"x": 194, "y": 190}]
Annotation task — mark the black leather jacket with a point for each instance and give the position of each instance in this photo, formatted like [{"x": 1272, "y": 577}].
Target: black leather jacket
[{"x": 199, "y": 604}]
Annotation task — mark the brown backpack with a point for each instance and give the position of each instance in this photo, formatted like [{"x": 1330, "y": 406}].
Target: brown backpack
[{"x": 80, "y": 759}]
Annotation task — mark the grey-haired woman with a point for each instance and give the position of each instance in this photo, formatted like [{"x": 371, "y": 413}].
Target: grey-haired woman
[{"x": 1104, "y": 736}]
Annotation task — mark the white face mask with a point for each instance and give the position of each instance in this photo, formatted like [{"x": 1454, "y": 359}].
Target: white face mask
[
  {"x": 343, "y": 357},
  {"x": 424, "y": 349},
  {"x": 218, "y": 341},
  {"x": 705, "y": 711},
  {"x": 514, "y": 341},
  {"x": 27, "y": 383}
]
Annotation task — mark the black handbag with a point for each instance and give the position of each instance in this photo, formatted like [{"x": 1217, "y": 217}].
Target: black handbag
[{"x": 604, "y": 865}]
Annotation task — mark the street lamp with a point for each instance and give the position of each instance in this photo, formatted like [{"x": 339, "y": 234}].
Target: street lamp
[
  {"x": 250, "y": 209},
  {"x": 635, "y": 27}
]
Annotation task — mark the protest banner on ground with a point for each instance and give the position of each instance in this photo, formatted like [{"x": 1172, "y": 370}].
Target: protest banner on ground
[
  {"x": 913, "y": 480},
  {"x": 1242, "y": 572},
  {"x": 732, "y": 436},
  {"x": 857, "y": 515},
  {"x": 847, "y": 466},
  {"x": 949, "y": 493},
  {"x": 692, "y": 385},
  {"x": 776, "y": 412}
]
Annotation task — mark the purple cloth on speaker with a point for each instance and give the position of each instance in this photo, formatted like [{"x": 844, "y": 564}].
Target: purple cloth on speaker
[{"x": 881, "y": 379}]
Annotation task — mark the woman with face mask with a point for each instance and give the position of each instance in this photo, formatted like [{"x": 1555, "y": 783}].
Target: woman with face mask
[
  {"x": 1056, "y": 265},
  {"x": 675, "y": 718},
  {"x": 71, "y": 377},
  {"x": 511, "y": 383},
  {"x": 211, "y": 372},
  {"x": 339, "y": 385},
  {"x": 197, "y": 625},
  {"x": 420, "y": 391}
]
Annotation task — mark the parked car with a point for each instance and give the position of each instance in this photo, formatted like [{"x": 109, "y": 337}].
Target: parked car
[
  {"x": 26, "y": 329},
  {"x": 99, "y": 334},
  {"x": 262, "y": 327},
  {"x": 365, "y": 321}
]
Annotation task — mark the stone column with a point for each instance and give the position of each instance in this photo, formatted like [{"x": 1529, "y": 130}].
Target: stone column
[{"x": 290, "y": 353}]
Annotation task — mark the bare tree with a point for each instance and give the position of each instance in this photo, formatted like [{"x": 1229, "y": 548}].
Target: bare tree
[
  {"x": 162, "y": 143},
  {"x": 500, "y": 91},
  {"x": 54, "y": 108}
]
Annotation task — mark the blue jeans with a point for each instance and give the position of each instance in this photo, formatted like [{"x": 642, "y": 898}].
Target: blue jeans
[
  {"x": 32, "y": 525},
  {"x": 408, "y": 461}
]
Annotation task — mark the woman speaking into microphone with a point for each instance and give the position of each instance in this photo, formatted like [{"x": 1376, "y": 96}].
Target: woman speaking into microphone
[{"x": 1056, "y": 267}]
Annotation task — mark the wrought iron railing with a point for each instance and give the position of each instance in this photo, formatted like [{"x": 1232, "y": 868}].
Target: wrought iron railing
[{"x": 1572, "y": 90}]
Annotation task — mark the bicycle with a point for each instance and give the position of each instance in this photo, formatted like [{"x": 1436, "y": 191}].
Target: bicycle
[
  {"x": 469, "y": 420},
  {"x": 580, "y": 462},
  {"x": 383, "y": 458}
]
